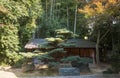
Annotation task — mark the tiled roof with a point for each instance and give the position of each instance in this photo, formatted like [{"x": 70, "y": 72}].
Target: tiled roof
[
  {"x": 81, "y": 43},
  {"x": 34, "y": 43}
]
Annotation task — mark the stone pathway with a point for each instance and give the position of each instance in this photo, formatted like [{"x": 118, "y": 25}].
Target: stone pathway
[{"x": 82, "y": 76}]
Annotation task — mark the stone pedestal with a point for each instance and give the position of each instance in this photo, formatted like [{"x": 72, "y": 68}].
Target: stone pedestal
[{"x": 69, "y": 71}]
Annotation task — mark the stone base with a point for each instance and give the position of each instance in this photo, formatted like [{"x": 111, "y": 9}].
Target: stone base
[{"x": 69, "y": 71}]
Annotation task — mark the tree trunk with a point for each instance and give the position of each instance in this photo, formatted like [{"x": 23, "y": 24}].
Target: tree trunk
[
  {"x": 67, "y": 18},
  {"x": 51, "y": 10},
  {"x": 58, "y": 8},
  {"x": 97, "y": 48},
  {"x": 75, "y": 20},
  {"x": 46, "y": 10}
]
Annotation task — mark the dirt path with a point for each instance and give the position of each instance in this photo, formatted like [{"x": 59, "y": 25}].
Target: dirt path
[{"x": 94, "y": 70}]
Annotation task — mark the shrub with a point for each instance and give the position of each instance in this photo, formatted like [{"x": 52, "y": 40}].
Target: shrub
[
  {"x": 19, "y": 62},
  {"x": 115, "y": 61},
  {"x": 109, "y": 71},
  {"x": 76, "y": 59},
  {"x": 8, "y": 44},
  {"x": 71, "y": 59},
  {"x": 22, "y": 57},
  {"x": 53, "y": 64}
]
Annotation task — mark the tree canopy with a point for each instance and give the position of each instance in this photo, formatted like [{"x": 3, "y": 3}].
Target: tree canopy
[
  {"x": 17, "y": 23},
  {"x": 103, "y": 17}
]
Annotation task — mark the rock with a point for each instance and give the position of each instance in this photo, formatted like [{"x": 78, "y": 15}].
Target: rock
[
  {"x": 28, "y": 67},
  {"x": 4, "y": 74},
  {"x": 40, "y": 66}
]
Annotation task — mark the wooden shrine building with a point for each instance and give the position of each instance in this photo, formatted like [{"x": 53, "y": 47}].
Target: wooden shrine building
[{"x": 83, "y": 48}]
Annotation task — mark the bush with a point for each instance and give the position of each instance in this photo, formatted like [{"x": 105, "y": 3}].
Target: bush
[
  {"x": 12, "y": 59},
  {"x": 71, "y": 59},
  {"x": 76, "y": 59},
  {"x": 109, "y": 71},
  {"x": 22, "y": 57},
  {"x": 115, "y": 61},
  {"x": 8, "y": 44},
  {"x": 86, "y": 60},
  {"x": 19, "y": 62},
  {"x": 53, "y": 64}
]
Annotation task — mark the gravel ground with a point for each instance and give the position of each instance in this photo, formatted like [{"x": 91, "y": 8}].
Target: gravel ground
[
  {"x": 83, "y": 76},
  {"x": 41, "y": 74}
]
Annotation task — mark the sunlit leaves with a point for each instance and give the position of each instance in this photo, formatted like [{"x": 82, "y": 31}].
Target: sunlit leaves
[
  {"x": 17, "y": 20},
  {"x": 58, "y": 40},
  {"x": 64, "y": 33},
  {"x": 3, "y": 10},
  {"x": 8, "y": 43},
  {"x": 99, "y": 7}
]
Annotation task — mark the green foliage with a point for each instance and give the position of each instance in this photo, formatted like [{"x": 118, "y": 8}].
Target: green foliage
[
  {"x": 54, "y": 40},
  {"x": 56, "y": 44},
  {"x": 8, "y": 44},
  {"x": 77, "y": 59},
  {"x": 47, "y": 26},
  {"x": 19, "y": 62},
  {"x": 27, "y": 30},
  {"x": 57, "y": 50},
  {"x": 64, "y": 34},
  {"x": 48, "y": 56},
  {"x": 24, "y": 58},
  {"x": 53, "y": 64},
  {"x": 23, "y": 14},
  {"x": 58, "y": 15},
  {"x": 71, "y": 59},
  {"x": 28, "y": 23},
  {"x": 86, "y": 60},
  {"x": 115, "y": 60},
  {"x": 61, "y": 35},
  {"x": 17, "y": 24},
  {"x": 28, "y": 54},
  {"x": 45, "y": 57}
]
